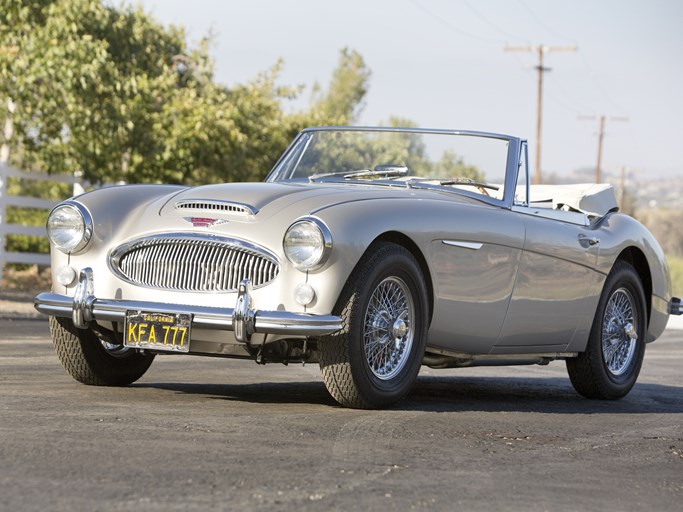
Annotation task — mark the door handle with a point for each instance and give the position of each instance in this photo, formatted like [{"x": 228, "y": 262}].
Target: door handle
[{"x": 588, "y": 241}]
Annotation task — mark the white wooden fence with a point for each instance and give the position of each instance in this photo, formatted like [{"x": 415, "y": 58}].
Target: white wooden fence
[{"x": 26, "y": 202}]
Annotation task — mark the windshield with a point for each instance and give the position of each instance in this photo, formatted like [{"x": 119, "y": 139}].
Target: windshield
[{"x": 471, "y": 162}]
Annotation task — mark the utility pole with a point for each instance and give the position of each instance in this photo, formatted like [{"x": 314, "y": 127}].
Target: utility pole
[
  {"x": 601, "y": 138},
  {"x": 540, "y": 50}
]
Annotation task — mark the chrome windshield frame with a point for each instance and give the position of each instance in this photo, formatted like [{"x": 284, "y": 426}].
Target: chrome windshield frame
[{"x": 511, "y": 168}]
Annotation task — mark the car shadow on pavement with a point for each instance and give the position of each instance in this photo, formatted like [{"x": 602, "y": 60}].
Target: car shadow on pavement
[
  {"x": 546, "y": 395},
  {"x": 263, "y": 392},
  {"x": 453, "y": 394}
]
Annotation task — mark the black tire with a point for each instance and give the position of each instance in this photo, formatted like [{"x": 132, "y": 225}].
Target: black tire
[
  {"x": 86, "y": 359},
  {"x": 375, "y": 368},
  {"x": 603, "y": 375}
]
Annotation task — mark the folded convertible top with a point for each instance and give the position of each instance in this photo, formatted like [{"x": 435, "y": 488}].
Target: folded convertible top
[{"x": 590, "y": 198}]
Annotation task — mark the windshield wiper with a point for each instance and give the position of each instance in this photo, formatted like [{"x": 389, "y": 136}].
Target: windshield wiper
[
  {"x": 344, "y": 175},
  {"x": 384, "y": 171},
  {"x": 468, "y": 181},
  {"x": 453, "y": 181}
]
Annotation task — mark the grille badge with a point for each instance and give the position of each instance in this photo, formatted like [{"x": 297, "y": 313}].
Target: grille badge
[{"x": 204, "y": 222}]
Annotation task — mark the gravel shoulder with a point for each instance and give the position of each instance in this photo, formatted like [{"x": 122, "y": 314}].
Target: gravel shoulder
[{"x": 17, "y": 305}]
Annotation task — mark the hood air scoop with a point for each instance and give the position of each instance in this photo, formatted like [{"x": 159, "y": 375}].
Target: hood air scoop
[{"x": 216, "y": 205}]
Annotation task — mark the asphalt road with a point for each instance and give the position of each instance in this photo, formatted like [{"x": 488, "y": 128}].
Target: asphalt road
[{"x": 212, "y": 434}]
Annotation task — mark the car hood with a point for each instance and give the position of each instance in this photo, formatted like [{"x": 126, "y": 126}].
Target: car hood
[{"x": 262, "y": 201}]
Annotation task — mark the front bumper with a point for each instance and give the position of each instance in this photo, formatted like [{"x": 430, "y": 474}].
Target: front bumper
[{"x": 243, "y": 320}]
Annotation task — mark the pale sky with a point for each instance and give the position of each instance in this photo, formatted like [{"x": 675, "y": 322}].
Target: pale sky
[{"x": 442, "y": 64}]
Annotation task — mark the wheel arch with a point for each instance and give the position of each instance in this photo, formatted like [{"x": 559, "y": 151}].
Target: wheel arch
[
  {"x": 406, "y": 242},
  {"x": 625, "y": 239},
  {"x": 346, "y": 366},
  {"x": 637, "y": 259}
]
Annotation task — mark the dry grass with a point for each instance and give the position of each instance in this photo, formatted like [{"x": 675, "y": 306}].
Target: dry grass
[
  {"x": 676, "y": 266},
  {"x": 30, "y": 280}
]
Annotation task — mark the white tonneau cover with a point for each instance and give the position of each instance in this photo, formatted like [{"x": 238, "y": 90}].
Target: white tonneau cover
[{"x": 593, "y": 199}]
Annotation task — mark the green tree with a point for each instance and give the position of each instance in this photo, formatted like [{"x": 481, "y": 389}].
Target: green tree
[
  {"x": 110, "y": 92},
  {"x": 452, "y": 165},
  {"x": 342, "y": 102},
  {"x": 83, "y": 76}
]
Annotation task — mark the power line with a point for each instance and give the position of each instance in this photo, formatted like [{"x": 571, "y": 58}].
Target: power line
[
  {"x": 493, "y": 25},
  {"x": 541, "y": 50},
  {"x": 591, "y": 72},
  {"x": 564, "y": 103},
  {"x": 543, "y": 25},
  {"x": 570, "y": 101},
  {"x": 598, "y": 84},
  {"x": 452, "y": 26}
]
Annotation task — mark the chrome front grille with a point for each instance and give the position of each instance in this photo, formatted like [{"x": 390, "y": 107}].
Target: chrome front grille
[{"x": 193, "y": 263}]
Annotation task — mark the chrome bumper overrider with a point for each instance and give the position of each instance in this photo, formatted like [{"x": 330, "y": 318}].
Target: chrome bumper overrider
[
  {"x": 84, "y": 308},
  {"x": 675, "y": 306}
]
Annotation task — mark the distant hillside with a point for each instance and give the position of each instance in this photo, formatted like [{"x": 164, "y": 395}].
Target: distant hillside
[
  {"x": 661, "y": 193},
  {"x": 649, "y": 193}
]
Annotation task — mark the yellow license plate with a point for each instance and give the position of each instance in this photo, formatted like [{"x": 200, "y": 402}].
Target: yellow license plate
[{"x": 158, "y": 331}]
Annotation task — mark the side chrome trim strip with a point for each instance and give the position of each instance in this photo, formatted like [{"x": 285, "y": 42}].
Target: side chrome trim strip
[{"x": 475, "y": 246}]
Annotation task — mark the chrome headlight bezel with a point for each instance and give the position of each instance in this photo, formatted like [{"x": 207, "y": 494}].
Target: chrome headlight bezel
[
  {"x": 81, "y": 228},
  {"x": 320, "y": 247}
]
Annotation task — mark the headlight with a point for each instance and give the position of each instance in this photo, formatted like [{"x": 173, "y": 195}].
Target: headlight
[
  {"x": 69, "y": 227},
  {"x": 307, "y": 244}
]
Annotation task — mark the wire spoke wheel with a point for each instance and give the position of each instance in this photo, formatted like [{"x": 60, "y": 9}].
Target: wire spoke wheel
[
  {"x": 373, "y": 361},
  {"x": 389, "y": 333},
  {"x": 611, "y": 362},
  {"x": 619, "y": 332}
]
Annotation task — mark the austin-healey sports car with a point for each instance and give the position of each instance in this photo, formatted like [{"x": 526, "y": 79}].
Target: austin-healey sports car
[{"x": 371, "y": 251}]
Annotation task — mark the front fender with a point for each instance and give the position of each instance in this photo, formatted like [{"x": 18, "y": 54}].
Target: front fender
[
  {"x": 113, "y": 210},
  {"x": 355, "y": 225},
  {"x": 620, "y": 233}
]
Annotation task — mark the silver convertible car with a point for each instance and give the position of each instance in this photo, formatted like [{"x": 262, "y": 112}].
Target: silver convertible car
[{"x": 371, "y": 251}]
